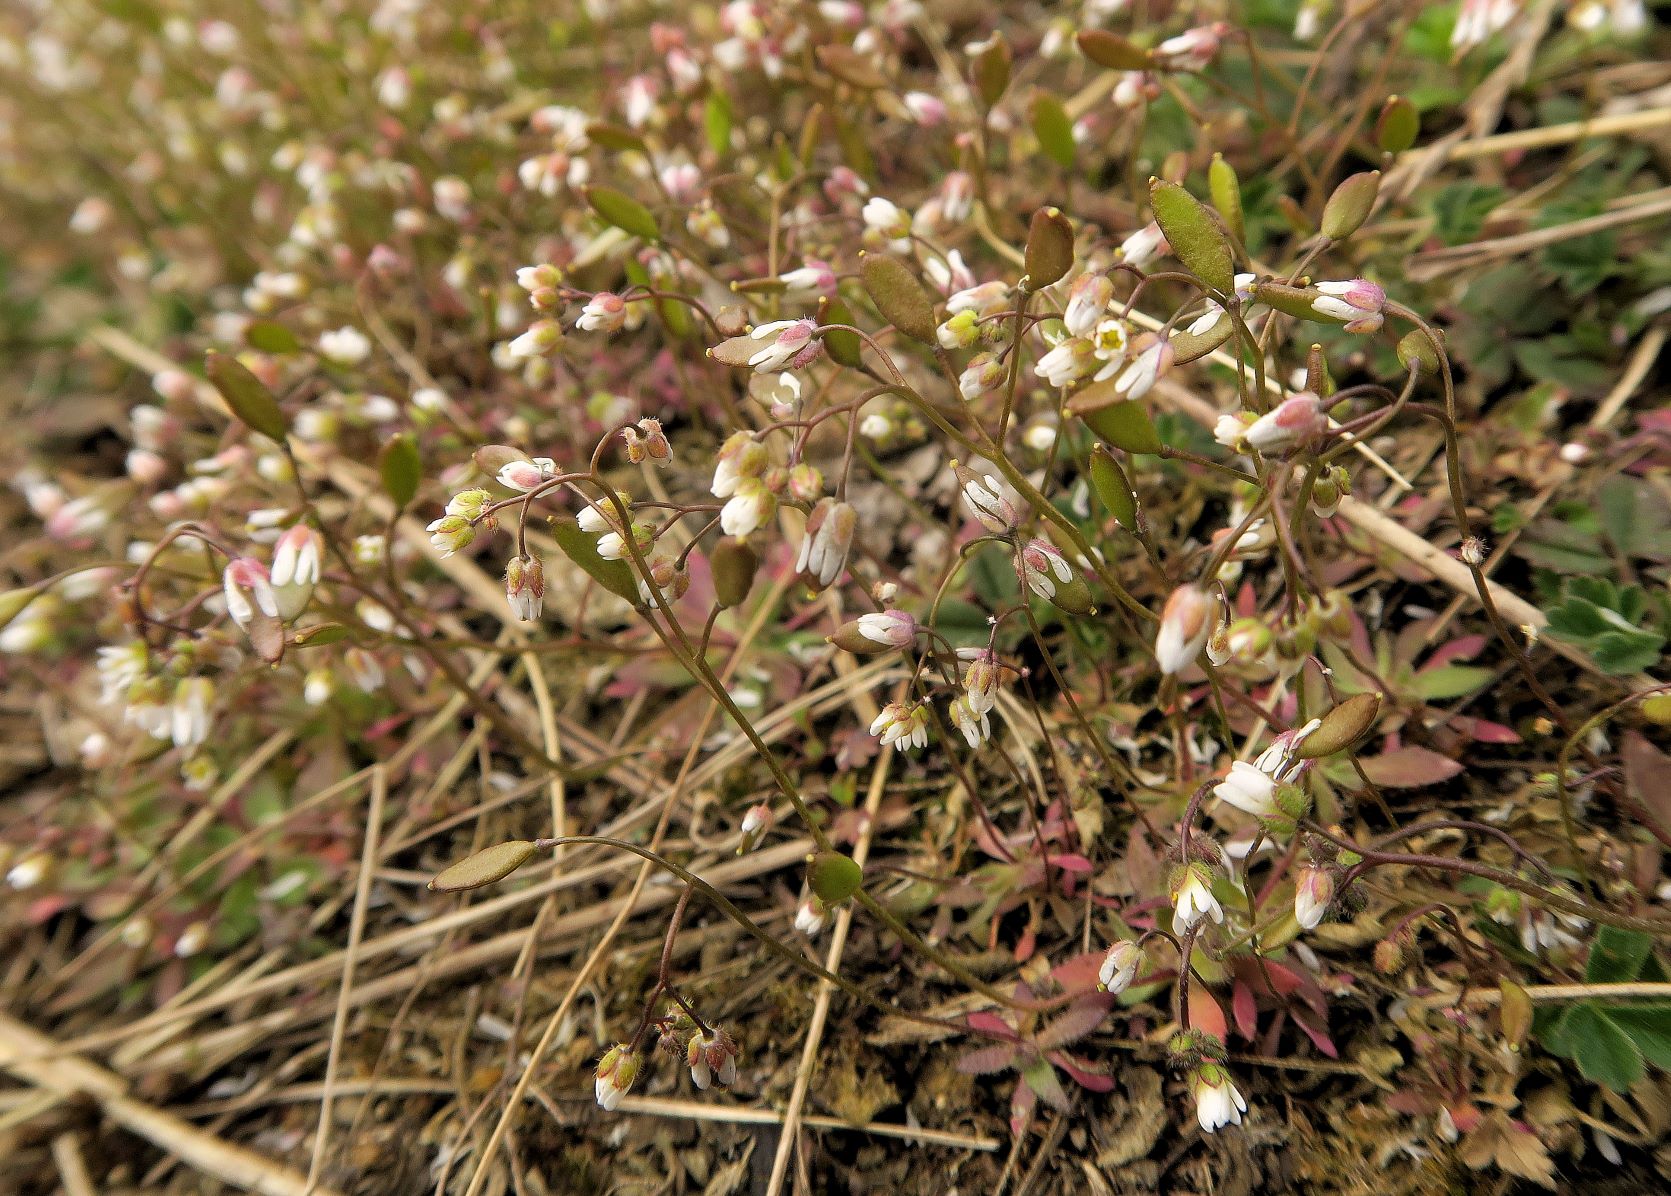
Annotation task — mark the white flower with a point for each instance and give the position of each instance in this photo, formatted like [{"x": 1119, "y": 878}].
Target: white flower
[
  {"x": 1067, "y": 362},
  {"x": 1144, "y": 245},
  {"x": 976, "y": 724},
  {"x": 1185, "y": 623},
  {"x": 1217, "y": 1102},
  {"x": 1111, "y": 342},
  {"x": 1248, "y": 789},
  {"x": 1119, "y": 966},
  {"x": 1193, "y": 900},
  {"x": 604, "y": 312},
  {"x": 1138, "y": 378},
  {"x": 949, "y": 276},
  {"x": 809, "y": 917},
  {"x": 345, "y": 346},
  {"x": 891, "y": 628},
  {"x": 296, "y": 569},
  {"x": 901, "y": 726},
  {"x": 747, "y": 509},
  {"x": 616, "y": 1071},
  {"x": 828, "y": 539},
  {"x": 1312, "y": 896},
  {"x": 1088, "y": 300},
  {"x": 189, "y": 716}
]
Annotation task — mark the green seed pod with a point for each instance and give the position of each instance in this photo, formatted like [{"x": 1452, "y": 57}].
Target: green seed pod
[
  {"x": 1290, "y": 301},
  {"x": 733, "y": 564},
  {"x": 1415, "y": 351},
  {"x": 1049, "y": 249},
  {"x": 842, "y": 346},
  {"x": 1341, "y": 727},
  {"x": 899, "y": 296},
  {"x": 1122, "y": 423},
  {"x": 1113, "y": 488},
  {"x": 833, "y": 876},
  {"x": 1196, "y": 240},
  {"x": 246, "y": 395},
  {"x": 623, "y": 211},
  {"x": 1226, "y": 190},
  {"x": 1074, "y": 597},
  {"x": 1350, "y": 205},
  {"x": 1397, "y": 126},
  {"x": 1112, "y": 51},
  {"x": 992, "y": 70},
  {"x": 485, "y": 867}
]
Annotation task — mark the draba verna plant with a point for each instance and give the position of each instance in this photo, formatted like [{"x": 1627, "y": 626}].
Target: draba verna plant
[{"x": 1048, "y": 581}]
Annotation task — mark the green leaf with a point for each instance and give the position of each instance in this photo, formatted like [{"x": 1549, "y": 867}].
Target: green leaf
[
  {"x": 1054, "y": 129},
  {"x": 1617, "y": 956},
  {"x": 1602, "y": 1050},
  {"x": 1620, "y": 652},
  {"x": 1196, "y": 240},
  {"x": 401, "y": 468},
  {"x": 716, "y": 121},
  {"x": 1459, "y": 210},
  {"x": 246, "y": 395},
  {"x": 582, "y": 549},
  {"x": 624, "y": 212},
  {"x": 1451, "y": 681},
  {"x": 1649, "y": 1029},
  {"x": 269, "y": 336}
]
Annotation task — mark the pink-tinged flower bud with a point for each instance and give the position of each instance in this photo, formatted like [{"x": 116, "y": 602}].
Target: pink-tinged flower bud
[
  {"x": 814, "y": 277},
  {"x": 1043, "y": 568},
  {"x": 902, "y": 725},
  {"x": 949, "y": 275},
  {"x": 1357, "y": 303},
  {"x": 791, "y": 346},
  {"x": 983, "y": 375},
  {"x": 1119, "y": 967},
  {"x": 450, "y": 534},
  {"x": 984, "y": 496},
  {"x": 655, "y": 441},
  {"x": 145, "y": 467},
  {"x": 844, "y": 183},
  {"x": 1134, "y": 89},
  {"x": 712, "y": 1056},
  {"x": 1144, "y": 246},
  {"x": 386, "y": 262},
  {"x": 545, "y": 277},
  {"x": 525, "y": 587},
  {"x": 673, "y": 581},
  {"x": 984, "y": 300},
  {"x": 980, "y": 678},
  {"x": 1154, "y": 358},
  {"x": 957, "y": 197},
  {"x": 748, "y": 508},
  {"x": 756, "y": 823},
  {"x": 1217, "y": 1101},
  {"x": 1192, "y": 898},
  {"x": 927, "y": 110},
  {"x": 1088, "y": 300},
  {"x": 524, "y": 476},
  {"x": 826, "y": 544},
  {"x": 296, "y": 569},
  {"x": 248, "y": 591},
  {"x": 809, "y": 917},
  {"x": 1192, "y": 49},
  {"x": 541, "y": 338},
  {"x": 976, "y": 725},
  {"x": 604, "y": 312},
  {"x": 616, "y": 1072},
  {"x": 1231, "y": 429},
  {"x": 1185, "y": 623},
  {"x": 805, "y": 482},
  {"x": 889, "y": 628},
  {"x": 1312, "y": 897}
]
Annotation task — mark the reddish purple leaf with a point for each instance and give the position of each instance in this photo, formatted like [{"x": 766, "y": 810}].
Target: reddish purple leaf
[
  {"x": 1319, "y": 1038},
  {"x": 1464, "y": 647},
  {"x": 1082, "y": 1018},
  {"x": 1072, "y": 862},
  {"x": 1409, "y": 767},
  {"x": 1246, "y": 1010},
  {"x": 983, "y": 1061},
  {"x": 991, "y": 1023},
  {"x": 1082, "y": 1072}
]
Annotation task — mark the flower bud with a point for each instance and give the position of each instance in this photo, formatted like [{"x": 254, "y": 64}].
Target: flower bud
[
  {"x": 984, "y": 495},
  {"x": 1295, "y": 421},
  {"x": 616, "y": 1072},
  {"x": 712, "y": 1056},
  {"x": 733, "y": 564},
  {"x": 901, "y": 725},
  {"x": 1119, "y": 967},
  {"x": 525, "y": 587},
  {"x": 826, "y": 544},
  {"x": 1313, "y": 894},
  {"x": 296, "y": 569},
  {"x": 1185, "y": 623}
]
